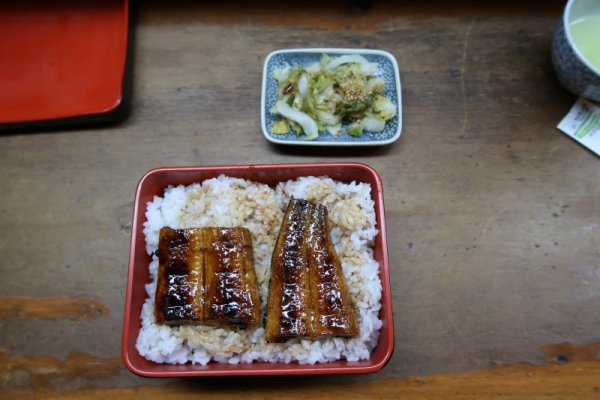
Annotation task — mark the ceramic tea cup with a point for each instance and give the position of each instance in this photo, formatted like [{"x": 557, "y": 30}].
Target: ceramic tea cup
[{"x": 576, "y": 48}]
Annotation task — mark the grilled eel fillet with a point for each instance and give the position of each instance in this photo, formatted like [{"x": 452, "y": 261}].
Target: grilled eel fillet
[
  {"x": 206, "y": 276},
  {"x": 308, "y": 295}
]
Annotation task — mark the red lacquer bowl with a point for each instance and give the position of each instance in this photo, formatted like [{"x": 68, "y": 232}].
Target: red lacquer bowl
[{"x": 154, "y": 183}]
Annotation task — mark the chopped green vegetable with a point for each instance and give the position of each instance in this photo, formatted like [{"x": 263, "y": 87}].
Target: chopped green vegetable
[
  {"x": 280, "y": 127},
  {"x": 376, "y": 85},
  {"x": 320, "y": 82},
  {"x": 373, "y": 124},
  {"x": 384, "y": 108},
  {"x": 335, "y": 130},
  {"x": 323, "y": 95},
  {"x": 307, "y": 123},
  {"x": 355, "y": 129},
  {"x": 354, "y": 108},
  {"x": 296, "y": 127}
]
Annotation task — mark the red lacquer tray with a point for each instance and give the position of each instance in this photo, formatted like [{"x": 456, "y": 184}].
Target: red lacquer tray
[{"x": 61, "y": 59}]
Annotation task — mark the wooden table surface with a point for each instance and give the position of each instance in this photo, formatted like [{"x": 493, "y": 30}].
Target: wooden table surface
[{"x": 493, "y": 214}]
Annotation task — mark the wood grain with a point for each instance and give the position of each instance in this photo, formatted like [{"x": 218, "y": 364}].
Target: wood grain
[
  {"x": 574, "y": 381},
  {"x": 60, "y": 307},
  {"x": 564, "y": 352},
  {"x": 40, "y": 371},
  {"x": 335, "y": 15}
]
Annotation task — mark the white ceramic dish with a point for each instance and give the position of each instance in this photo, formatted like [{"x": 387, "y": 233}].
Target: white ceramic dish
[{"x": 388, "y": 69}]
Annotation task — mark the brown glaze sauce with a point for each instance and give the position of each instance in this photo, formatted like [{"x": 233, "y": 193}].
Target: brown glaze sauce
[
  {"x": 206, "y": 275},
  {"x": 174, "y": 291},
  {"x": 228, "y": 255},
  {"x": 333, "y": 307},
  {"x": 308, "y": 296}
]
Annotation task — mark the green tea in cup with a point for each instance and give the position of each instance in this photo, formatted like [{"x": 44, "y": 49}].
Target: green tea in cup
[
  {"x": 576, "y": 48},
  {"x": 585, "y": 32}
]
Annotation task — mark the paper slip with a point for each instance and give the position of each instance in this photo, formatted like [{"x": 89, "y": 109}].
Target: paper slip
[{"x": 582, "y": 123}]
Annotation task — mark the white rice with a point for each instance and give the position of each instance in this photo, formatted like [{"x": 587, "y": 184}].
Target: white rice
[{"x": 229, "y": 202}]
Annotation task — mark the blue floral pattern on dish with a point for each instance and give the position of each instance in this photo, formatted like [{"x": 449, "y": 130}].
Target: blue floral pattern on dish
[{"x": 385, "y": 69}]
